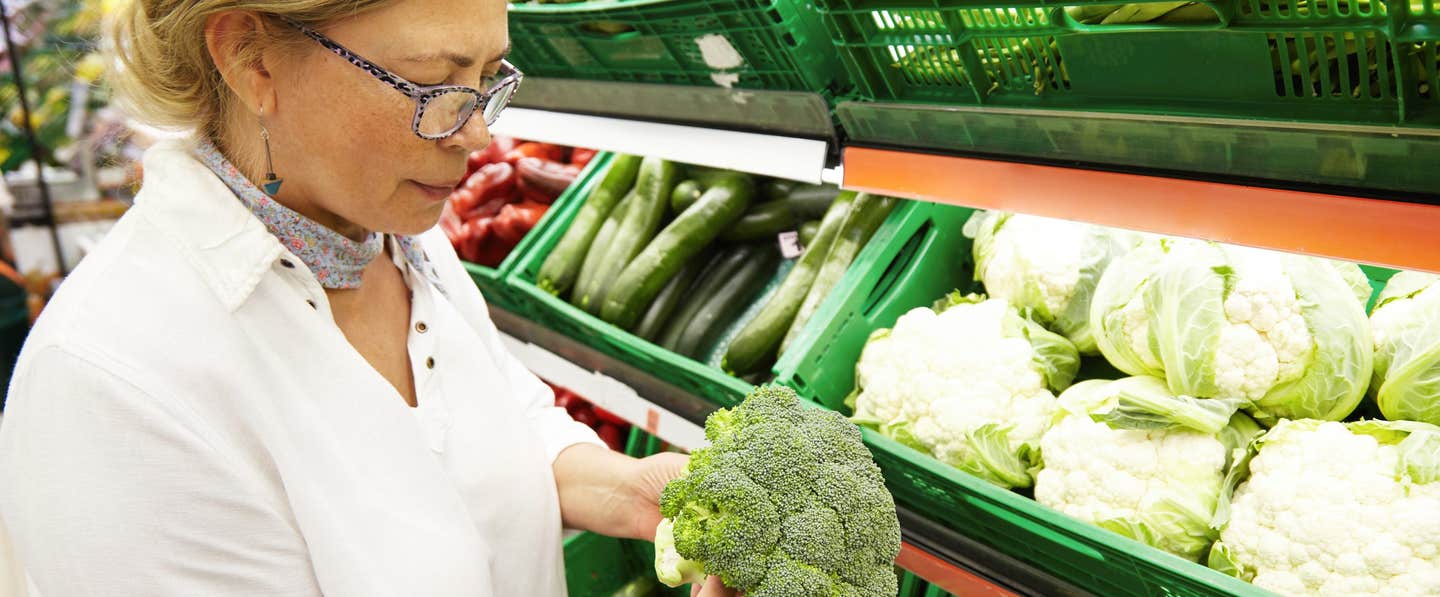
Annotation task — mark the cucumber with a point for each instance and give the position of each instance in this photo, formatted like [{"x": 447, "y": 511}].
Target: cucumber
[
  {"x": 762, "y": 222},
  {"x": 685, "y": 194},
  {"x": 808, "y": 230},
  {"x": 777, "y": 188},
  {"x": 562, "y": 266},
  {"x": 585, "y": 283},
  {"x": 759, "y": 341},
  {"x": 811, "y": 201},
  {"x": 652, "y": 197},
  {"x": 715, "y": 276},
  {"x": 866, "y": 215},
  {"x": 663, "y": 257},
  {"x": 721, "y": 308},
  {"x": 670, "y": 297}
]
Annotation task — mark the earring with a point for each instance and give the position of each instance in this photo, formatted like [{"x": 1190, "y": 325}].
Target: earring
[{"x": 272, "y": 183}]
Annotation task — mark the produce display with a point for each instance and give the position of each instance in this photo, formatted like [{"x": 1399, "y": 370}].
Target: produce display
[
  {"x": 678, "y": 254},
  {"x": 786, "y": 502},
  {"x": 508, "y": 187},
  {"x": 612, "y": 429},
  {"x": 1232, "y": 352}
]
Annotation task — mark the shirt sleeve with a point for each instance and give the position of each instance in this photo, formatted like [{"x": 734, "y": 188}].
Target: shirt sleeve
[
  {"x": 107, "y": 489},
  {"x": 557, "y": 430}
]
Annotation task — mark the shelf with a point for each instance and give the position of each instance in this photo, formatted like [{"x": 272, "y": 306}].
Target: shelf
[
  {"x": 1379, "y": 232},
  {"x": 769, "y": 155},
  {"x": 932, "y": 552}
]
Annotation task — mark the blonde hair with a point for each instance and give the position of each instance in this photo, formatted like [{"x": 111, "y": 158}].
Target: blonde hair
[{"x": 162, "y": 72}]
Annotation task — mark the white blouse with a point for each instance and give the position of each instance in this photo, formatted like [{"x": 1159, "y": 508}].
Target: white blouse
[{"x": 187, "y": 419}]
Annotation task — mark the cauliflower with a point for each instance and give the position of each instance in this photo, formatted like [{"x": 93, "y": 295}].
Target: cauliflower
[
  {"x": 786, "y": 502},
  {"x": 970, "y": 385},
  {"x": 1336, "y": 509},
  {"x": 1406, "y": 325},
  {"x": 1130, "y": 457},
  {"x": 1047, "y": 268},
  {"x": 1282, "y": 332}
]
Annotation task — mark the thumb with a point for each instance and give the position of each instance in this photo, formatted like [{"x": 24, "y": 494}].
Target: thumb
[{"x": 713, "y": 588}]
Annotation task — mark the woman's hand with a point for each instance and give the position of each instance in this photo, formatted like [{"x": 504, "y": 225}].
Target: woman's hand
[
  {"x": 712, "y": 588},
  {"x": 613, "y": 494}
]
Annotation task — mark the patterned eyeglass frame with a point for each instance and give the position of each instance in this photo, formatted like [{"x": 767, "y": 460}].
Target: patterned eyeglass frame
[{"x": 421, "y": 94}]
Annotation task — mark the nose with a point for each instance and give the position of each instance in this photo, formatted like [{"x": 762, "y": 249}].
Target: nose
[{"x": 474, "y": 136}]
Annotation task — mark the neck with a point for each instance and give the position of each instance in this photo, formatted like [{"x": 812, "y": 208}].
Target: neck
[{"x": 247, "y": 153}]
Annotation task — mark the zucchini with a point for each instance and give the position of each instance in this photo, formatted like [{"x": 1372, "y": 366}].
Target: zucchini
[
  {"x": 652, "y": 198},
  {"x": 777, "y": 188},
  {"x": 562, "y": 266},
  {"x": 662, "y": 258},
  {"x": 759, "y": 341},
  {"x": 670, "y": 297},
  {"x": 721, "y": 308},
  {"x": 715, "y": 276},
  {"x": 812, "y": 201},
  {"x": 866, "y": 215},
  {"x": 762, "y": 222},
  {"x": 808, "y": 230},
  {"x": 585, "y": 283},
  {"x": 685, "y": 194}
]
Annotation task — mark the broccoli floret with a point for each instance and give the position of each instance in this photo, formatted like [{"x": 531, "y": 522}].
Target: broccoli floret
[{"x": 786, "y": 502}]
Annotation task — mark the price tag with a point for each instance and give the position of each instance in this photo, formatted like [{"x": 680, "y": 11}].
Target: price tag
[{"x": 790, "y": 247}]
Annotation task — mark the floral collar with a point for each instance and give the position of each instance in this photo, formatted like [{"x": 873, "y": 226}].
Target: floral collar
[{"x": 336, "y": 260}]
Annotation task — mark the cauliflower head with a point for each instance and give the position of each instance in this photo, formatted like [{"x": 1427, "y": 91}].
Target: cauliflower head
[
  {"x": 1047, "y": 268},
  {"x": 1132, "y": 458},
  {"x": 1336, "y": 509},
  {"x": 1283, "y": 332},
  {"x": 1406, "y": 326},
  {"x": 970, "y": 384},
  {"x": 785, "y": 502}
]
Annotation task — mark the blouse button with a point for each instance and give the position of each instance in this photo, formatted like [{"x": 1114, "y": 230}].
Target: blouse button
[
  {"x": 287, "y": 264},
  {"x": 430, "y": 363},
  {"x": 421, "y": 327}
]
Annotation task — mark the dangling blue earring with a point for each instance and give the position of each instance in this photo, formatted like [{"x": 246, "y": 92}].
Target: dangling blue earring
[{"x": 272, "y": 183}]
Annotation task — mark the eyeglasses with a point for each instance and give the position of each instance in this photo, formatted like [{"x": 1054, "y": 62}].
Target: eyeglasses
[{"x": 440, "y": 110}]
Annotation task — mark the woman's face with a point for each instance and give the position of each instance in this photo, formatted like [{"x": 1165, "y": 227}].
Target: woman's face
[{"x": 342, "y": 139}]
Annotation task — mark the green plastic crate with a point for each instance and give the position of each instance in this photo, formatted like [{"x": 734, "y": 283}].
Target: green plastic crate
[
  {"x": 557, "y": 314},
  {"x": 492, "y": 280},
  {"x": 1256, "y": 61},
  {"x": 776, "y": 45},
  {"x": 598, "y": 566},
  {"x": 913, "y": 261}
]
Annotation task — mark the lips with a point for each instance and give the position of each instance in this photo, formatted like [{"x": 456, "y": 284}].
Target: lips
[{"x": 435, "y": 192}]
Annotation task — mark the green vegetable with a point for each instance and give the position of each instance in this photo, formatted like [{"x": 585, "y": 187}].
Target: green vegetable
[
  {"x": 786, "y": 502},
  {"x": 649, "y": 271},
  {"x": 728, "y": 301},
  {"x": 762, "y": 222},
  {"x": 759, "y": 341},
  {"x": 811, "y": 201},
  {"x": 562, "y": 266},
  {"x": 685, "y": 194},
  {"x": 586, "y": 284},
  {"x": 652, "y": 197},
  {"x": 777, "y": 188},
  {"x": 1406, "y": 322},
  {"x": 865, "y": 217},
  {"x": 808, "y": 232},
  {"x": 716, "y": 275},
  {"x": 669, "y": 299}
]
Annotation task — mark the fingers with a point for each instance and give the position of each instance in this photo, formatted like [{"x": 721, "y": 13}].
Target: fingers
[{"x": 713, "y": 588}]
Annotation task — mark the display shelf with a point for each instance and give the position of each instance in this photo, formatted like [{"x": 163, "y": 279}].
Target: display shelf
[
  {"x": 938, "y": 555},
  {"x": 1389, "y": 233},
  {"x": 768, "y": 155}
]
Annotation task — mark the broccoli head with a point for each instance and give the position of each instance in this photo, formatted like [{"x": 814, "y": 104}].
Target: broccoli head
[{"x": 786, "y": 502}]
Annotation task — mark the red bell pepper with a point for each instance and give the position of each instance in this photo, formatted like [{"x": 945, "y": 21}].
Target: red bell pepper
[
  {"x": 544, "y": 151},
  {"x": 585, "y": 417},
  {"x": 451, "y": 224},
  {"x": 612, "y": 436},
  {"x": 474, "y": 234},
  {"x": 544, "y": 179},
  {"x": 494, "y": 152},
  {"x": 493, "y": 186},
  {"x": 582, "y": 156},
  {"x": 609, "y": 417},
  {"x": 517, "y": 219}
]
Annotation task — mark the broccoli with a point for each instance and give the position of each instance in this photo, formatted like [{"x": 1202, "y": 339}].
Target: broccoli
[{"x": 786, "y": 502}]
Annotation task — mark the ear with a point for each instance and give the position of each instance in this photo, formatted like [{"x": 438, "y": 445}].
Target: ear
[{"x": 231, "y": 38}]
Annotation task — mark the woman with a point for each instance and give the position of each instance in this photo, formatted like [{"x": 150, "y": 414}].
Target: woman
[{"x": 274, "y": 377}]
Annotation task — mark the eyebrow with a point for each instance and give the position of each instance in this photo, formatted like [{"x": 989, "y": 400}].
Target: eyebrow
[{"x": 459, "y": 60}]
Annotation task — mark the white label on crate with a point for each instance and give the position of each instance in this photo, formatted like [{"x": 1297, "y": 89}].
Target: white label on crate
[
  {"x": 790, "y": 244},
  {"x": 720, "y": 55}
]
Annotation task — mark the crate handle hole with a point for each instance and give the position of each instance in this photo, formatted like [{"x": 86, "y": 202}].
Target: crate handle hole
[
  {"x": 1151, "y": 13},
  {"x": 897, "y": 269},
  {"x": 609, "y": 29}
]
